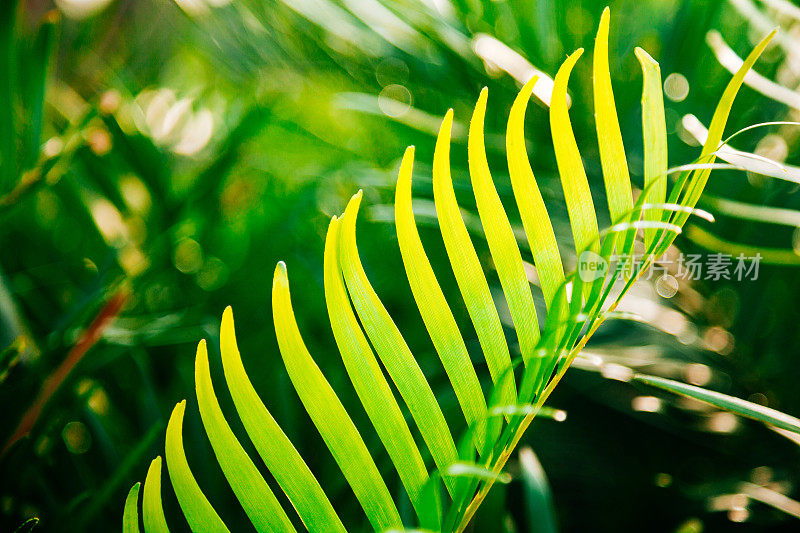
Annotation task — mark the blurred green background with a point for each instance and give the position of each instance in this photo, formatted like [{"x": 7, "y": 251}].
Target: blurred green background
[{"x": 172, "y": 151}]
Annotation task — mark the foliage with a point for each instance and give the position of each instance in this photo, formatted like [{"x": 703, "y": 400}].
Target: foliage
[
  {"x": 276, "y": 115},
  {"x": 576, "y": 306}
]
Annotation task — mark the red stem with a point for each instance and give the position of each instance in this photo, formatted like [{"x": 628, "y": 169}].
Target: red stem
[{"x": 52, "y": 383}]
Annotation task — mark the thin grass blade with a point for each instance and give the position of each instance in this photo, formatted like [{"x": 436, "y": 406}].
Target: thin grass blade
[
  {"x": 762, "y": 254},
  {"x": 724, "y": 401},
  {"x": 539, "y": 507}
]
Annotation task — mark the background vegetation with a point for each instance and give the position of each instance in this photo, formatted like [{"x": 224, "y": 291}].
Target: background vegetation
[{"x": 164, "y": 155}]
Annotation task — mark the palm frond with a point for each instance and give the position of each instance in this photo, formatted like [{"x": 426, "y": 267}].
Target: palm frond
[
  {"x": 371, "y": 343},
  {"x": 724, "y": 401}
]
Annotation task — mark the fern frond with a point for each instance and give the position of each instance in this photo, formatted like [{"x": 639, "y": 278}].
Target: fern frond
[{"x": 376, "y": 355}]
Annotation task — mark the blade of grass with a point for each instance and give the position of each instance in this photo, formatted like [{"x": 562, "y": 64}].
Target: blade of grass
[
  {"x": 328, "y": 413},
  {"x": 392, "y": 348},
  {"x": 53, "y": 382},
  {"x": 539, "y": 507},
  {"x": 433, "y": 307},
  {"x": 272, "y": 444},
  {"x": 252, "y": 491},
  {"x": 535, "y": 219},
  {"x": 367, "y": 377},
  {"x": 754, "y": 212},
  {"x": 767, "y": 256},
  {"x": 199, "y": 513},
  {"x": 35, "y": 83},
  {"x": 742, "y": 160}
]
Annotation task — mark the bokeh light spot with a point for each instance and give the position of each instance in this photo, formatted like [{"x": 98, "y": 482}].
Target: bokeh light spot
[
  {"x": 76, "y": 437},
  {"x": 667, "y": 286},
  {"x": 188, "y": 256},
  {"x": 676, "y": 87},
  {"x": 394, "y": 100}
]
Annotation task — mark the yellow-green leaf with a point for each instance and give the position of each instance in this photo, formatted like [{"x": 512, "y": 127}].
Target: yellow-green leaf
[
  {"x": 130, "y": 517},
  {"x": 433, "y": 306},
  {"x": 152, "y": 509},
  {"x": 274, "y": 447},
  {"x": 699, "y": 178},
  {"x": 199, "y": 513},
  {"x": 466, "y": 266},
  {"x": 535, "y": 219},
  {"x": 252, "y": 491},
  {"x": 568, "y": 158},
  {"x": 500, "y": 236},
  {"x": 392, "y": 348},
  {"x": 654, "y": 130},
  {"x": 328, "y": 413},
  {"x": 609, "y": 137},
  {"x": 366, "y": 374}
]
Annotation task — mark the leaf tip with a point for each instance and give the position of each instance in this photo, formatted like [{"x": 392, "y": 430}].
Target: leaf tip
[
  {"x": 447, "y": 121},
  {"x": 177, "y": 412},
  {"x": 353, "y": 205},
  {"x": 604, "y": 22},
  {"x": 528, "y": 86},
  {"x": 227, "y": 320},
  {"x": 280, "y": 271}
]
